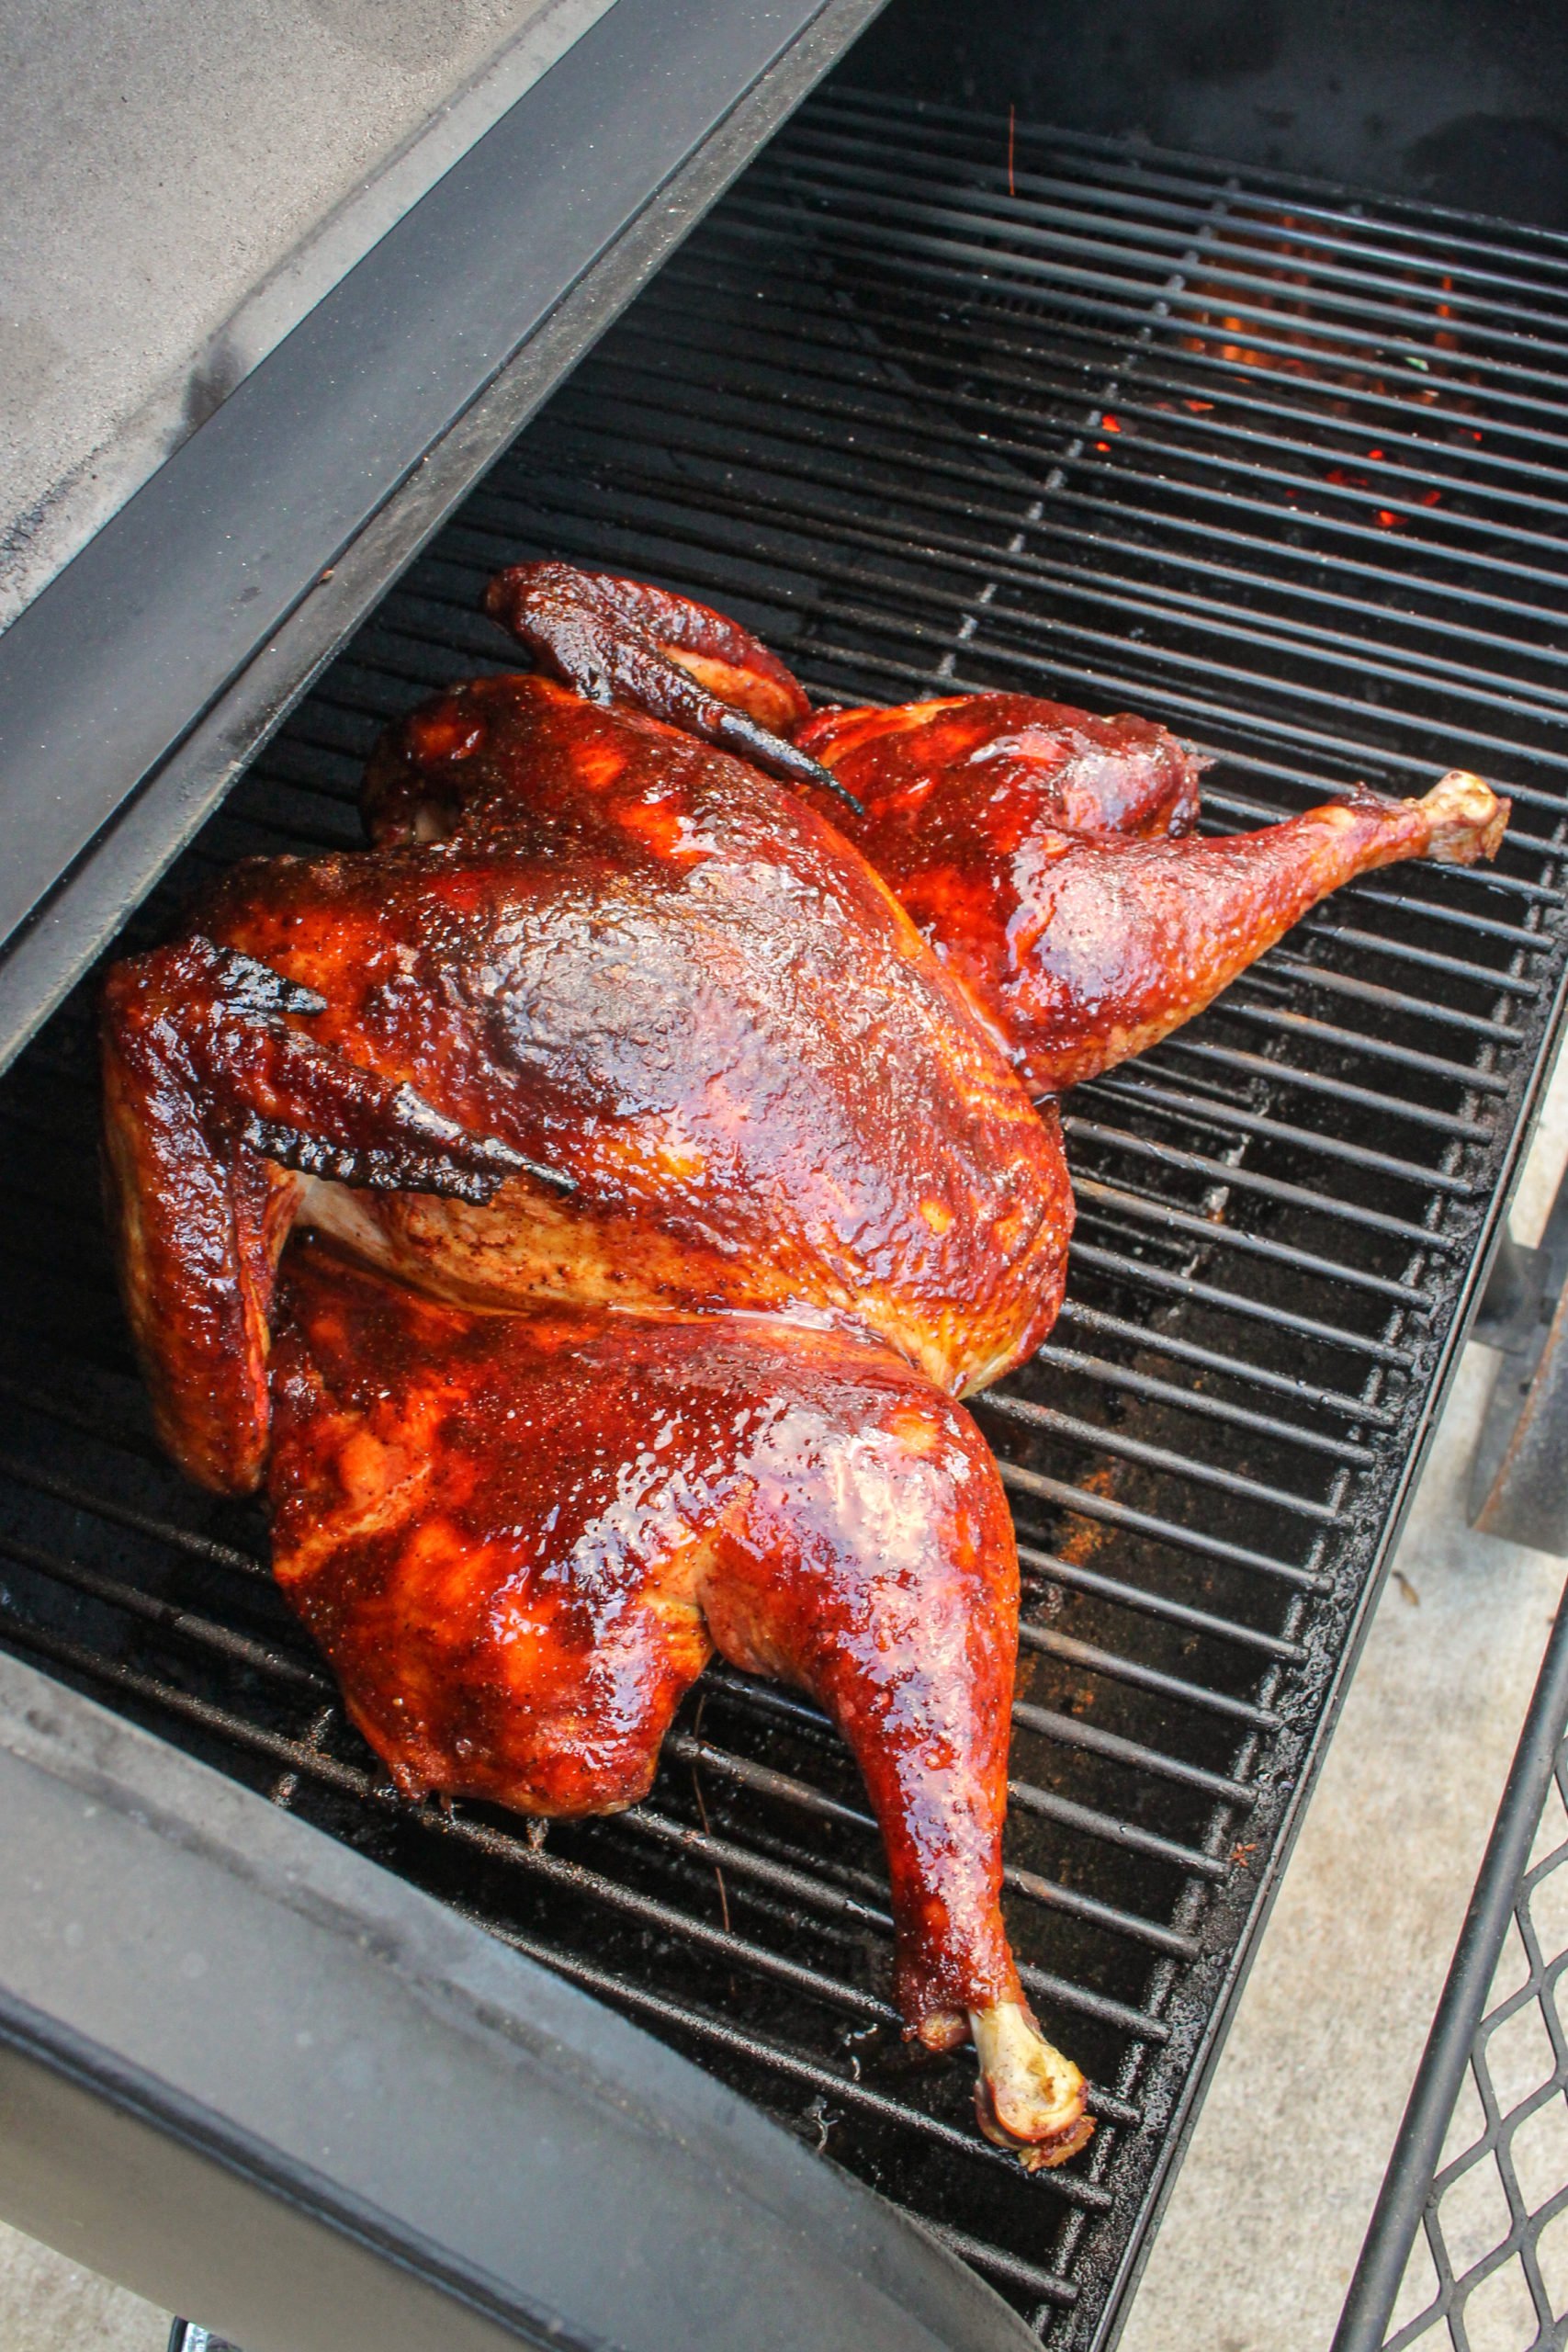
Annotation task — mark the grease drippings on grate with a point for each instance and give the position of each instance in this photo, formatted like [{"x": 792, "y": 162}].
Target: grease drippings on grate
[{"x": 1286, "y": 471}]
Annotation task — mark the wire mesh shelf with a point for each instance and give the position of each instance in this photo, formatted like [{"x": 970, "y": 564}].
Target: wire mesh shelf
[{"x": 1470, "y": 2236}]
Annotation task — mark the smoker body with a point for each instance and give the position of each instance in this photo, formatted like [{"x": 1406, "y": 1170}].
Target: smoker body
[{"x": 880, "y": 485}]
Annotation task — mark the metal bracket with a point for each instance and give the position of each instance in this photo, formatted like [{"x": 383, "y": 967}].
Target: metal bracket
[{"x": 1518, "y": 1480}]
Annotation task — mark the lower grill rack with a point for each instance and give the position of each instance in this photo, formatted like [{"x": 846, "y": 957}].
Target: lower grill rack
[{"x": 1290, "y": 471}]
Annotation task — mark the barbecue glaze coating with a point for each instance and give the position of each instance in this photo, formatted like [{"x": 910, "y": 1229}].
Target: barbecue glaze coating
[
  {"x": 1046, "y": 855},
  {"x": 641, "y": 1031},
  {"x": 1089, "y": 949},
  {"x": 518, "y": 1538},
  {"x": 623, "y": 1035},
  {"x": 972, "y": 778}
]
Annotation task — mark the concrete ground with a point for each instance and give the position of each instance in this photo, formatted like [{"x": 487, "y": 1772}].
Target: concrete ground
[{"x": 1268, "y": 2212}]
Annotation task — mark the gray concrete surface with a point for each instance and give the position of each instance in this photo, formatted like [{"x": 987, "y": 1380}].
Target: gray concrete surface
[
  {"x": 47, "y": 2304},
  {"x": 1270, "y": 2206},
  {"x": 179, "y": 185}
]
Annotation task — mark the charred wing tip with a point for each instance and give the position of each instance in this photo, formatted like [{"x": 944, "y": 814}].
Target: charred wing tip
[
  {"x": 779, "y": 757},
  {"x": 826, "y": 781},
  {"x": 250, "y": 986},
  {"x": 497, "y": 1160},
  {"x": 554, "y": 1176}
]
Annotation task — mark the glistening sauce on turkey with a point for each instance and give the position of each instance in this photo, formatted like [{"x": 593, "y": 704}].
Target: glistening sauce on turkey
[{"x": 663, "y": 1070}]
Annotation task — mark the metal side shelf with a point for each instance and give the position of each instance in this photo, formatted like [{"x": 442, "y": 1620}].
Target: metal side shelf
[{"x": 1480, "y": 2168}]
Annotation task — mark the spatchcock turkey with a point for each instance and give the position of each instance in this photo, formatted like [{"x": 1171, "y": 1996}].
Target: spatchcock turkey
[{"x": 582, "y": 1210}]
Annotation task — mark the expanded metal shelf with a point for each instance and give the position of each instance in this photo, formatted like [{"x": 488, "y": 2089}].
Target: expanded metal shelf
[
  {"x": 1468, "y": 2239},
  {"x": 1290, "y": 471}
]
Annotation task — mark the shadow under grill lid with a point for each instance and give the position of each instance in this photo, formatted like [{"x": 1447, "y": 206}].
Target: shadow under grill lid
[{"x": 1290, "y": 471}]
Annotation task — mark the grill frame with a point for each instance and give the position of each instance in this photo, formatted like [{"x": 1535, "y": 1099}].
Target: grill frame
[{"x": 1214, "y": 1947}]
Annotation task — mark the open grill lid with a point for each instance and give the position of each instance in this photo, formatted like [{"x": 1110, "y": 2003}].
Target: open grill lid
[
  {"x": 929, "y": 413},
  {"x": 134, "y": 687}
]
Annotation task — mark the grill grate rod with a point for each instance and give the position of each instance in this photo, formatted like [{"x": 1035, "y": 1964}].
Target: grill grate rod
[
  {"x": 1048, "y": 1568},
  {"x": 1223, "y": 623},
  {"x": 1096, "y": 585},
  {"x": 1314, "y": 1081},
  {"x": 1034, "y": 1483},
  {"x": 1055, "y": 441},
  {"x": 1186, "y": 1286},
  {"x": 1145, "y": 1092},
  {"x": 1049, "y": 357},
  {"x": 301, "y": 1672},
  {"x": 1058, "y": 631},
  {"x": 310, "y": 1763},
  {"x": 1239, "y": 1368},
  {"x": 1069, "y": 1731},
  {"x": 1453, "y": 967},
  {"x": 1147, "y": 1677},
  {"x": 931, "y": 252},
  {"x": 1250, "y": 1180},
  {"x": 1252, "y": 1245},
  {"x": 1069, "y": 330},
  {"x": 1159, "y": 1457},
  {"x": 1139, "y": 167},
  {"x": 1188, "y": 1400},
  {"x": 979, "y": 192},
  {"x": 1383, "y": 999}
]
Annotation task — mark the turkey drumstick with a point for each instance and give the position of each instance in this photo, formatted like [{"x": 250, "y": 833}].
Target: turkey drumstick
[
  {"x": 1046, "y": 855},
  {"x": 1089, "y": 948},
  {"x": 515, "y": 1592}
]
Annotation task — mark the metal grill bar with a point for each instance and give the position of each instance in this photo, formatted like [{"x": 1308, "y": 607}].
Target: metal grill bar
[
  {"x": 1239, "y": 1368},
  {"x": 1095, "y": 586},
  {"x": 1058, "y": 202},
  {"x": 1058, "y": 1571},
  {"x": 916, "y": 432},
  {"x": 1202, "y": 666},
  {"x": 1200, "y": 1111},
  {"x": 1248, "y": 1180},
  {"x": 1142, "y": 1384}
]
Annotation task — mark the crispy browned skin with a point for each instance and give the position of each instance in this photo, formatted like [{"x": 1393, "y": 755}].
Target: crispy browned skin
[
  {"x": 517, "y": 1538},
  {"x": 636, "y": 965},
  {"x": 1025, "y": 838},
  {"x": 981, "y": 774}
]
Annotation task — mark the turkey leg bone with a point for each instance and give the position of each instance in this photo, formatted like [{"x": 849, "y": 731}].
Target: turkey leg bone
[{"x": 518, "y": 1537}]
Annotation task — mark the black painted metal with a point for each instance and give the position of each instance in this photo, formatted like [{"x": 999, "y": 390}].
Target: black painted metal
[
  {"x": 249, "y": 2072},
  {"x": 925, "y": 432},
  {"x": 1517, "y": 1488},
  {"x": 1484, "y": 2006}
]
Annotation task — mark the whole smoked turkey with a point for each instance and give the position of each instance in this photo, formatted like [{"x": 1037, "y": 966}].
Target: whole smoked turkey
[{"x": 650, "y": 1108}]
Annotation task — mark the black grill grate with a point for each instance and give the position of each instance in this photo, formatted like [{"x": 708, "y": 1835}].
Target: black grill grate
[{"x": 1291, "y": 472}]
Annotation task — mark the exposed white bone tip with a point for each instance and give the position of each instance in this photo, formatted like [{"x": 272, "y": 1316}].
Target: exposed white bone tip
[
  {"x": 1466, "y": 819},
  {"x": 1029, "y": 2099}
]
